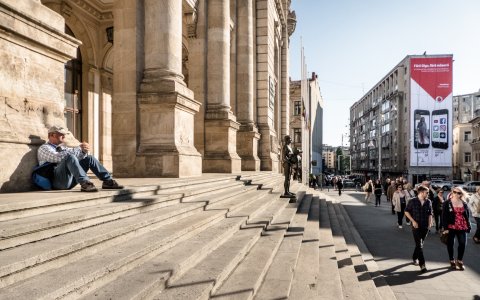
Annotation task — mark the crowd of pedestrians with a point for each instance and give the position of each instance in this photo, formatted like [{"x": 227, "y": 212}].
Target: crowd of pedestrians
[{"x": 424, "y": 207}]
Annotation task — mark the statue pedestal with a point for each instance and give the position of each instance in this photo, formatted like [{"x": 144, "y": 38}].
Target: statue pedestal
[{"x": 292, "y": 198}]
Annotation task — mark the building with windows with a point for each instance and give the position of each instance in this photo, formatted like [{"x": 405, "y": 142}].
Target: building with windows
[
  {"x": 329, "y": 158},
  {"x": 169, "y": 88},
  {"x": 400, "y": 127},
  {"x": 464, "y": 111},
  {"x": 306, "y": 123}
]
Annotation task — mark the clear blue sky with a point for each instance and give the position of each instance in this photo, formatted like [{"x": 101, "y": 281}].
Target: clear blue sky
[{"x": 352, "y": 44}]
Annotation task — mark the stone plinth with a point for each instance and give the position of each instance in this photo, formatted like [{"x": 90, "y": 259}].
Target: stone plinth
[
  {"x": 247, "y": 148},
  {"x": 220, "y": 146}
]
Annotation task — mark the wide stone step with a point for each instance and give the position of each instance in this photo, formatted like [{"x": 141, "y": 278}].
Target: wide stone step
[
  {"x": 368, "y": 287},
  {"x": 108, "y": 232},
  {"x": 19, "y": 231},
  {"x": 52, "y": 201},
  {"x": 245, "y": 281},
  {"x": 350, "y": 284},
  {"x": 383, "y": 288},
  {"x": 304, "y": 285},
  {"x": 30, "y": 259},
  {"x": 152, "y": 276},
  {"x": 278, "y": 279},
  {"x": 329, "y": 283},
  {"x": 108, "y": 263}
]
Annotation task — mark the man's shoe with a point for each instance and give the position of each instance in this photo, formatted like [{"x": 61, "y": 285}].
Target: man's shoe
[
  {"x": 111, "y": 185},
  {"x": 400, "y": 226},
  {"x": 423, "y": 269},
  {"x": 460, "y": 265},
  {"x": 88, "y": 186}
]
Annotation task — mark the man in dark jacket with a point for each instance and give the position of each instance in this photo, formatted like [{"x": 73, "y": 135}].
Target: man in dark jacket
[{"x": 419, "y": 211}]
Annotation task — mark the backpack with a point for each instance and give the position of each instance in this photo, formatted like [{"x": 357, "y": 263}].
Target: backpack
[{"x": 42, "y": 175}]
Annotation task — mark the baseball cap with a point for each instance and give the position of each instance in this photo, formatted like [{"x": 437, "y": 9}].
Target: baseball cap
[{"x": 58, "y": 129}]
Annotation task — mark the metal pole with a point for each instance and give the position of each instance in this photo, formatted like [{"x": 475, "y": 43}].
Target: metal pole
[{"x": 380, "y": 148}]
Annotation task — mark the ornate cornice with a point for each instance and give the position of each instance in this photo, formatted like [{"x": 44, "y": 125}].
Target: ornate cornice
[
  {"x": 292, "y": 22},
  {"x": 97, "y": 12},
  {"x": 190, "y": 15}
]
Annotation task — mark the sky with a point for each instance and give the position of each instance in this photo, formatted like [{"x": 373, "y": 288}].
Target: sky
[{"x": 352, "y": 44}]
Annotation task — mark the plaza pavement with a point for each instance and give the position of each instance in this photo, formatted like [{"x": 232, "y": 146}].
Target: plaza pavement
[{"x": 392, "y": 249}]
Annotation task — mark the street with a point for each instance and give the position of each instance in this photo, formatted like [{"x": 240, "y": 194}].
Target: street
[{"x": 392, "y": 249}]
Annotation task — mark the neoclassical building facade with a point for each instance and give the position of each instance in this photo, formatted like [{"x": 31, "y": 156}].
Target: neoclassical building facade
[{"x": 159, "y": 88}]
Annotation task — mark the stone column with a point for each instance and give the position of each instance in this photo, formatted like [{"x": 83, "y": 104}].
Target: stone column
[
  {"x": 247, "y": 136},
  {"x": 220, "y": 124},
  {"x": 166, "y": 105}
]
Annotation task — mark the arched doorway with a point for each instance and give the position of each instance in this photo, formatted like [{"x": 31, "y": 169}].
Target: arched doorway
[{"x": 73, "y": 93}]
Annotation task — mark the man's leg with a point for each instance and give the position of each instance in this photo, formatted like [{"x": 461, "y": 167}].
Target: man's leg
[
  {"x": 90, "y": 162},
  {"x": 68, "y": 173},
  {"x": 419, "y": 235}
]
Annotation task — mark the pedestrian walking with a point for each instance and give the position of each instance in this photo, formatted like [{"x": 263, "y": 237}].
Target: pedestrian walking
[
  {"x": 391, "y": 189},
  {"x": 339, "y": 185},
  {"x": 385, "y": 188},
  {"x": 419, "y": 212},
  {"x": 399, "y": 201},
  {"x": 437, "y": 205},
  {"x": 378, "y": 192},
  {"x": 409, "y": 195},
  {"x": 456, "y": 223},
  {"x": 474, "y": 203},
  {"x": 368, "y": 188}
]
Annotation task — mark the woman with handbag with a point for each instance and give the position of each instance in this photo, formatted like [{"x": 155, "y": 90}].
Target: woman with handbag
[
  {"x": 474, "y": 203},
  {"x": 455, "y": 222},
  {"x": 399, "y": 201}
]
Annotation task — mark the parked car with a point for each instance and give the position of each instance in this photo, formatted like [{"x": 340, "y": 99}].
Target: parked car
[
  {"x": 457, "y": 182},
  {"x": 470, "y": 186},
  {"x": 348, "y": 184}
]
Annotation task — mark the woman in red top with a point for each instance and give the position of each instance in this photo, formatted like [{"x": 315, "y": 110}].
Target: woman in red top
[{"x": 455, "y": 222}]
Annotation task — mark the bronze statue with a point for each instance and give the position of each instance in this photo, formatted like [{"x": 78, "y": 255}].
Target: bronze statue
[{"x": 288, "y": 158}]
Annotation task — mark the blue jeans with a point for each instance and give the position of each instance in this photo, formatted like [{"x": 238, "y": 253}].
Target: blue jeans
[
  {"x": 462, "y": 242},
  {"x": 71, "y": 171}
]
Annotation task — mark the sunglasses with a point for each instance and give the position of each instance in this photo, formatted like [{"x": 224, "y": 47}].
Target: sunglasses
[{"x": 456, "y": 192}]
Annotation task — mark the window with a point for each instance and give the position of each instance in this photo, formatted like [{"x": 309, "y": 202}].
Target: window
[
  {"x": 297, "y": 108},
  {"x": 297, "y": 135},
  {"x": 468, "y": 157},
  {"x": 73, "y": 93},
  {"x": 467, "y": 136}
]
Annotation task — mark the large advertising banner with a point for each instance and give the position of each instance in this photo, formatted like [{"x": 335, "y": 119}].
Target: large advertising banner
[{"x": 431, "y": 111}]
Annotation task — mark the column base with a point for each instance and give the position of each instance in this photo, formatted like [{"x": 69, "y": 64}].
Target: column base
[
  {"x": 166, "y": 122},
  {"x": 169, "y": 163},
  {"x": 247, "y": 148},
  {"x": 220, "y": 147}
]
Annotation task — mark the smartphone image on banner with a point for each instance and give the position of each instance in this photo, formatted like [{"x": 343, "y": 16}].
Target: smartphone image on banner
[
  {"x": 440, "y": 128},
  {"x": 422, "y": 130}
]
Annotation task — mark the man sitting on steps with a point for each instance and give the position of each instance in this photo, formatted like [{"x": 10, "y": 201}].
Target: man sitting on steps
[{"x": 72, "y": 163}]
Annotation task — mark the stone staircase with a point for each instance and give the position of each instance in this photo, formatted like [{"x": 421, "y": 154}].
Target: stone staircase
[{"x": 217, "y": 237}]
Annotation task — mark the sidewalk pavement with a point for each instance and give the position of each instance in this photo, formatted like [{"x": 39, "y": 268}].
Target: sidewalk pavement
[{"x": 392, "y": 249}]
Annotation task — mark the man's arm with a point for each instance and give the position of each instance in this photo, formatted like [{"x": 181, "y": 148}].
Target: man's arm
[{"x": 409, "y": 216}]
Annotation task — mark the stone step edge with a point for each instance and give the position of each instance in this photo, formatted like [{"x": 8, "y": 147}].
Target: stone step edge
[
  {"x": 110, "y": 215},
  {"x": 330, "y": 279},
  {"x": 350, "y": 284},
  {"x": 144, "y": 229},
  {"x": 175, "y": 274},
  {"x": 304, "y": 281},
  {"x": 379, "y": 280},
  {"x": 128, "y": 205},
  {"x": 359, "y": 266},
  {"x": 107, "y": 195},
  {"x": 291, "y": 237}
]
